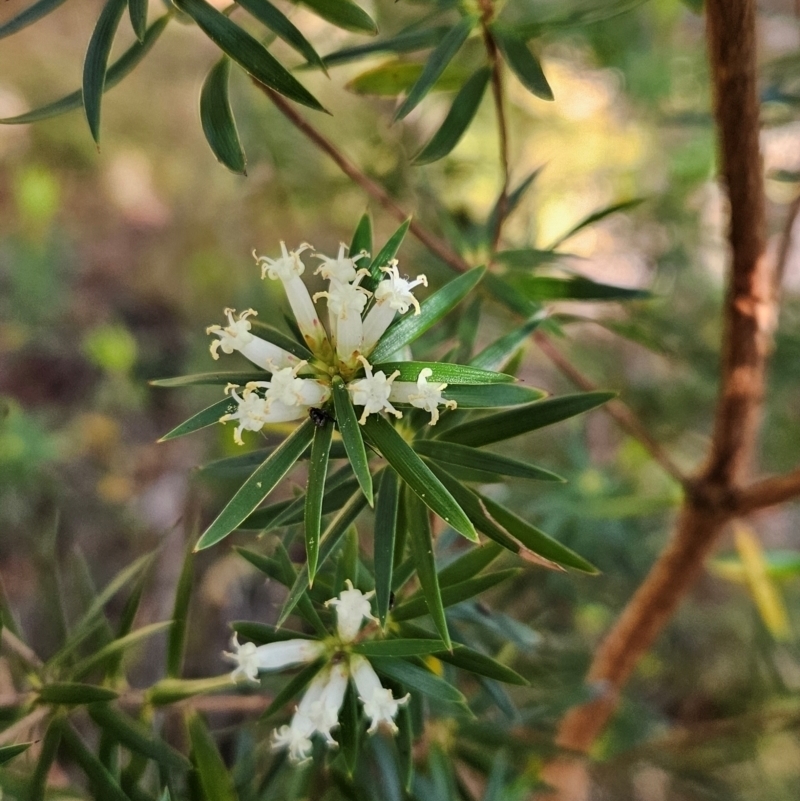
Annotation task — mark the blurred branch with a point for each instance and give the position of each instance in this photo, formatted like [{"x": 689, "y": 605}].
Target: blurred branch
[
  {"x": 768, "y": 492},
  {"x": 619, "y": 411},
  {"x": 19, "y": 649},
  {"x": 436, "y": 246},
  {"x": 748, "y": 321}
]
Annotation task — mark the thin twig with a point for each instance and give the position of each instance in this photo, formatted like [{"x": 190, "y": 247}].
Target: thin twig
[
  {"x": 619, "y": 411},
  {"x": 18, "y": 648},
  {"x": 436, "y": 246},
  {"x": 24, "y": 725},
  {"x": 768, "y": 492}
]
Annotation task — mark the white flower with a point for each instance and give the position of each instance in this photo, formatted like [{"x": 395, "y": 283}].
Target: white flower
[
  {"x": 379, "y": 703},
  {"x": 422, "y": 395},
  {"x": 296, "y": 737},
  {"x": 284, "y": 387},
  {"x": 324, "y": 711},
  {"x": 236, "y": 336},
  {"x": 352, "y": 606},
  {"x": 250, "y": 659},
  {"x": 373, "y": 392},
  {"x": 393, "y": 294},
  {"x": 288, "y": 268},
  {"x": 346, "y": 303},
  {"x": 342, "y": 268},
  {"x": 254, "y": 412}
]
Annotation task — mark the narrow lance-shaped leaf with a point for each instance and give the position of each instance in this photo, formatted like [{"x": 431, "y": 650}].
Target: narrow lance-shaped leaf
[
  {"x": 207, "y": 417},
  {"x": 442, "y": 371},
  {"x": 458, "y": 119},
  {"x": 247, "y": 52},
  {"x": 417, "y": 475},
  {"x": 512, "y": 423},
  {"x": 116, "y": 72},
  {"x": 511, "y": 202},
  {"x": 96, "y": 62},
  {"x": 596, "y": 216},
  {"x": 393, "y": 78},
  {"x": 435, "y": 65},
  {"x": 27, "y": 17},
  {"x": 137, "y": 9},
  {"x": 263, "y": 480},
  {"x": 496, "y": 355},
  {"x": 488, "y": 396},
  {"x": 362, "y": 236},
  {"x": 399, "y": 647},
  {"x": 385, "y": 531},
  {"x": 65, "y": 692},
  {"x": 542, "y": 288},
  {"x": 432, "y": 309},
  {"x": 317, "y": 470},
  {"x": 417, "y": 678},
  {"x": 282, "y": 26},
  {"x": 420, "y": 538},
  {"x": 350, "y": 728},
  {"x": 386, "y": 254},
  {"x": 404, "y": 42},
  {"x": 527, "y": 258},
  {"x": 176, "y": 641},
  {"x": 522, "y": 61},
  {"x": 263, "y": 633},
  {"x": 8, "y": 752},
  {"x": 344, "y": 14},
  {"x": 47, "y": 754},
  {"x": 104, "y": 784},
  {"x": 216, "y": 117},
  {"x": 216, "y": 781},
  {"x": 470, "y": 564},
  {"x": 351, "y": 436}
]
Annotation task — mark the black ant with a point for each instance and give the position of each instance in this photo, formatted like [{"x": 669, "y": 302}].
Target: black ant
[{"x": 319, "y": 417}]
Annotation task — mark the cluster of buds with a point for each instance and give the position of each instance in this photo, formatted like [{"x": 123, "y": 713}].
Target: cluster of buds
[
  {"x": 357, "y": 319},
  {"x": 317, "y": 713}
]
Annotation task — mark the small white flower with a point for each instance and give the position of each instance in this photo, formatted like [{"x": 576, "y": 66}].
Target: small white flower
[
  {"x": 379, "y": 703},
  {"x": 236, "y": 336},
  {"x": 352, "y": 606},
  {"x": 250, "y": 659},
  {"x": 346, "y": 303},
  {"x": 324, "y": 711},
  {"x": 296, "y": 737},
  {"x": 284, "y": 387},
  {"x": 392, "y": 295},
  {"x": 373, "y": 392},
  {"x": 288, "y": 268},
  {"x": 342, "y": 268},
  {"x": 254, "y": 412},
  {"x": 423, "y": 395}
]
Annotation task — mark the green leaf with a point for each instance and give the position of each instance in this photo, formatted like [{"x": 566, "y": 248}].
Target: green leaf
[
  {"x": 385, "y": 255},
  {"x": 350, "y": 430},
  {"x": 350, "y": 728},
  {"x": 405, "y": 747},
  {"x": 541, "y": 288},
  {"x": 216, "y": 117},
  {"x": 470, "y": 564},
  {"x": 436, "y": 63},
  {"x": 216, "y": 781},
  {"x": 116, "y": 72},
  {"x": 420, "y": 538},
  {"x": 117, "y": 647},
  {"x": 293, "y": 688},
  {"x": 47, "y": 754},
  {"x": 247, "y": 462},
  {"x": 534, "y": 539},
  {"x": 66, "y": 692},
  {"x": 263, "y": 480},
  {"x": 496, "y": 355},
  {"x": 404, "y": 42},
  {"x": 523, "y": 62},
  {"x": 399, "y": 647},
  {"x": 488, "y": 396},
  {"x": 362, "y": 236},
  {"x": 317, "y": 470},
  {"x": 330, "y": 539},
  {"x": 416, "y": 605},
  {"x": 343, "y": 14},
  {"x": 596, "y": 216},
  {"x": 442, "y": 371},
  {"x": 458, "y": 119},
  {"x": 207, "y": 417},
  {"x": 417, "y": 678},
  {"x": 27, "y": 17},
  {"x": 263, "y": 633},
  {"x": 276, "y": 337},
  {"x": 417, "y": 475},
  {"x": 432, "y": 309},
  {"x": 105, "y": 786},
  {"x": 96, "y": 62},
  {"x": 282, "y": 26},
  {"x": 247, "y": 52},
  {"x": 527, "y": 258},
  {"x": 511, "y": 202},
  {"x": 395, "y": 76},
  {"x": 135, "y": 736},
  {"x": 202, "y": 379},
  {"x": 137, "y": 9},
  {"x": 170, "y": 691},
  {"x": 385, "y": 532},
  {"x": 461, "y": 455},
  {"x": 8, "y": 752},
  {"x": 176, "y": 640},
  {"x": 512, "y": 423},
  {"x": 510, "y": 296}
]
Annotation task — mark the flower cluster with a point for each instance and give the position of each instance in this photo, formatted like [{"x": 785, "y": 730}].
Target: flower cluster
[
  {"x": 318, "y": 710},
  {"x": 357, "y": 319}
]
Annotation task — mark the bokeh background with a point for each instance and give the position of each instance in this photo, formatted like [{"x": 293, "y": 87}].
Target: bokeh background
[{"x": 113, "y": 262}]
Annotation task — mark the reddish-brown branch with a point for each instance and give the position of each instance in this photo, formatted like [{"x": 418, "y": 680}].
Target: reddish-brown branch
[
  {"x": 748, "y": 315},
  {"x": 768, "y": 492},
  {"x": 619, "y": 411}
]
